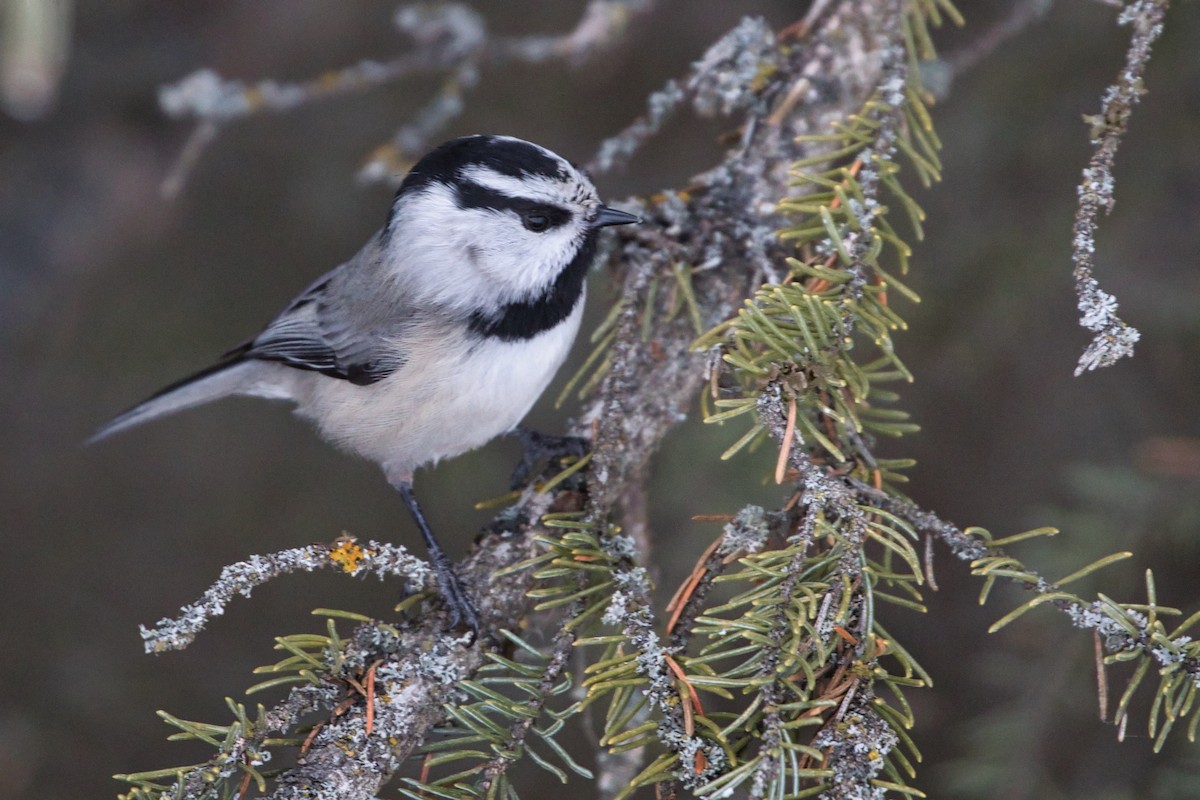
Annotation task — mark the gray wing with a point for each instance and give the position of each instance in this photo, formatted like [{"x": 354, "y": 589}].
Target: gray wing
[{"x": 339, "y": 326}]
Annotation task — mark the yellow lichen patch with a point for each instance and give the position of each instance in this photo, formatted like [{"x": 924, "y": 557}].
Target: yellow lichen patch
[
  {"x": 347, "y": 554},
  {"x": 762, "y": 77}
]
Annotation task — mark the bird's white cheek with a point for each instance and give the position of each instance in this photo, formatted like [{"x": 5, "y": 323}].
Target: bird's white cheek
[{"x": 527, "y": 263}]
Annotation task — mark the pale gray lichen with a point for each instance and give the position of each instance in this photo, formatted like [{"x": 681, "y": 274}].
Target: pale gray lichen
[
  {"x": 205, "y": 94},
  {"x": 620, "y": 546},
  {"x": 723, "y": 80},
  {"x": 241, "y": 578},
  {"x": 858, "y": 745},
  {"x": 618, "y": 609},
  {"x": 747, "y": 533},
  {"x": 456, "y": 27},
  {"x": 1113, "y": 338}
]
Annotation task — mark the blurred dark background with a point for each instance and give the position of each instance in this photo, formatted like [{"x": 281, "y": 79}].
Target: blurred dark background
[{"x": 108, "y": 291}]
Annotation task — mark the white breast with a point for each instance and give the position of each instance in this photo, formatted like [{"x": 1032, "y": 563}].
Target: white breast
[{"x": 452, "y": 395}]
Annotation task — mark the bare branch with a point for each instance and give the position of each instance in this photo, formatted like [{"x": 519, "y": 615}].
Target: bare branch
[
  {"x": 603, "y": 23},
  {"x": 1019, "y": 16},
  {"x": 450, "y": 37},
  {"x": 616, "y": 151}
]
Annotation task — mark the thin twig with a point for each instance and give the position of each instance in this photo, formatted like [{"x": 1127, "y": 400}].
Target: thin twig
[
  {"x": 1020, "y": 15},
  {"x": 242, "y": 578},
  {"x": 1113, "y": 338},
  {"x": 451, "y": 37},
  {"x": 1139, "y": 636}
]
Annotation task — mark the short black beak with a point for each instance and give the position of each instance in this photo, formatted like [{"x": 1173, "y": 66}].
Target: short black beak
[{"x": 611, "y": 216}]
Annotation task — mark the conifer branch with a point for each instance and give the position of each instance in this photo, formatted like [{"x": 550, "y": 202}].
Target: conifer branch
[
  {"x": 652, "y": 375},
  {"x": 1125, "y": 629}
]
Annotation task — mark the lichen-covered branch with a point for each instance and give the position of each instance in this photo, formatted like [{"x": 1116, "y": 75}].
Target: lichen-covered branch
[
  {"x": 378, "y": 558},
  {"x": 1126, "y": 629},
  {"x": 450, "y": 38},
  {"x": 1113, "y": 338},
  {"x": 380, "y": 692}
]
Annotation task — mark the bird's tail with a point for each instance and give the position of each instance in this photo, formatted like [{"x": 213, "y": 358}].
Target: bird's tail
[{"x": 217, "y": 381}]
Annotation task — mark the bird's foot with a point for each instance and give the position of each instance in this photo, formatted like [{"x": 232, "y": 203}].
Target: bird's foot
[
  {"x": 455, "y": 596},
  {"x": 462, "y": 610},
  {"x": 537, "y": 448}
]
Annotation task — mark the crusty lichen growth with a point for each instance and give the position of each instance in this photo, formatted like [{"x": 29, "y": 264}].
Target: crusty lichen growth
[
  {"x": 1113, "y": 338},
  {"x": 377, "y": 558},
  {"x": 378, "y": 691},
  {"x": 1127, "y": 631}
]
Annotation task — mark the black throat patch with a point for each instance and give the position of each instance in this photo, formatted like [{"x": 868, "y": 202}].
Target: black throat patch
[{"x": 528, "y": 318}]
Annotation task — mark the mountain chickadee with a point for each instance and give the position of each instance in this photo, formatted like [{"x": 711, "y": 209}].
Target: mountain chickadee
[{"x": 441, "y": 332}]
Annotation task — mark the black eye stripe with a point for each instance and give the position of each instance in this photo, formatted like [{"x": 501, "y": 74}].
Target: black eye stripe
[
  {"x": 473, "y": 195},
  {"x": 445, "y": 163}
]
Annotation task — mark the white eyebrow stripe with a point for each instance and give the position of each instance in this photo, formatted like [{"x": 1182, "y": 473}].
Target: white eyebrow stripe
[{"x": 530, "y": 187}]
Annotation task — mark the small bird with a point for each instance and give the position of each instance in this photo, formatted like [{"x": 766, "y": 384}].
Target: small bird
[{"x": 440, "y": 333}]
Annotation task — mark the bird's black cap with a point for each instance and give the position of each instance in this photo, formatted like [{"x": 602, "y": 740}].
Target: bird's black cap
[{"x": 502, "y": 154}]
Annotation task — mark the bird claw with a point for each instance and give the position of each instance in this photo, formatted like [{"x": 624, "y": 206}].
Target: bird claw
[
  {"x": 538, "y": 447},
  {"x": 454, "y": 595},
  {"x": 451, "y": 589}
]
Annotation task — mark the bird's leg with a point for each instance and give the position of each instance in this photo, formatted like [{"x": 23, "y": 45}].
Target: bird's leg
[
  {"x": 538, "y": 447},
  {"x": 452, "y": 589}
]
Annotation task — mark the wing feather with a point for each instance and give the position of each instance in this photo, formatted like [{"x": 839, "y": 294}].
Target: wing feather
[{"x": 320, "y": 331}]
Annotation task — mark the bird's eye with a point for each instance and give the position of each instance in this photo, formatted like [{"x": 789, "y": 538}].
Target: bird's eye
[{"x": 535, "y": 221}]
